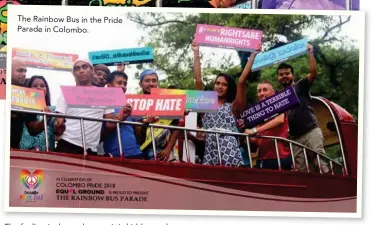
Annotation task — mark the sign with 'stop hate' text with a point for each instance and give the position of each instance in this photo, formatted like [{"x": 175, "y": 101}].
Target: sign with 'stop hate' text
[
  {"x": 270, "y": 107},
  {"x": 228, "y": 37},
  {"x": 157, "y": 105},
  {"x": 280, "y": 54},
  {"x": 126, "y": 56}
]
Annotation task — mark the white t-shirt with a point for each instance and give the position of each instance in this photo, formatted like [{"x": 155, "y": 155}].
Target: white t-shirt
[
  {"x": 92, "y": 129},
  {"x": 191, "y": 123}
]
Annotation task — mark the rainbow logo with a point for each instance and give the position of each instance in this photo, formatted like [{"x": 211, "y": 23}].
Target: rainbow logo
[
  {"x": 31, "y": 180},
  {"x": 34, "y": 94}
]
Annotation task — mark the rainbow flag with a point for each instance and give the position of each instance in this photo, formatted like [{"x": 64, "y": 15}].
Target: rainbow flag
[{"x": 196, "y": 101}]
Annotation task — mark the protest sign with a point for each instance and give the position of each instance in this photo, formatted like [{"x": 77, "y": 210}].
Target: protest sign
[
  {"x": 45, "y": 60},
  {"x": 270, "y": 107},
  {"x": 228, "y": 37},
  {"x": 196, "y": 101},
  {"x": 93, "y": 97},
  {"x": 126, "y": 56},
  {"x": 157, "y": 132},
  {"x": 280, "y": 54},
  {"x": 28, "y": 98},
  {"x": 157, "y": 105}
]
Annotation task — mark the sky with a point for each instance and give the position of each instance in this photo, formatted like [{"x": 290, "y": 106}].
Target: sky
[{"x": 102, "y": 37}]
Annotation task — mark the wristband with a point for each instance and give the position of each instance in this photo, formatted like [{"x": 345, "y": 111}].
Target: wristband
[{"x": 254, "y": 130}]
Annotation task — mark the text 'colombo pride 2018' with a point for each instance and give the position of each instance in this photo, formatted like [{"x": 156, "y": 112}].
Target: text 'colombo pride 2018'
[{"x": 188, "y": 116}]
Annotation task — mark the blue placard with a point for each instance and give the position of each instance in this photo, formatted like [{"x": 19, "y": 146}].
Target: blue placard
[
  {"x": 245, "y": 5},
  {"x": 280, "y": 54},
  {"x": 126, "y": 56},
  {"x": 270, "y": 107}
]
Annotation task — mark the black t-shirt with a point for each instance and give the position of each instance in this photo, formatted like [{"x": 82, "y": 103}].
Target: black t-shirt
[
  {"x": 16, "y": 127},
  {"x": 302, "y": 119}
]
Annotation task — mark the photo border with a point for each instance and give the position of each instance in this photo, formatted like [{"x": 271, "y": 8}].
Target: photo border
[{"x": 361, "y": 29}]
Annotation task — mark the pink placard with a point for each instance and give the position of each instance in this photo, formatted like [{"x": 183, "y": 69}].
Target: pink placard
[
  {"x": 93, "y": 97},
  {"x": 228, "y": 37}
]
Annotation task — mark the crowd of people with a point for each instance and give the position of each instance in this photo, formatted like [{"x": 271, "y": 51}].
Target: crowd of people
[{"x": 64, "y": 134}]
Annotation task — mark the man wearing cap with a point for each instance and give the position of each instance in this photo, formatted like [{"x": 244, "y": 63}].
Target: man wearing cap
[
  {"x": 100, "y": 75},
  {"x": 167, "y": 139},
  {"x": 18, "y": 119},
  {"x": 71, "y": 139}
]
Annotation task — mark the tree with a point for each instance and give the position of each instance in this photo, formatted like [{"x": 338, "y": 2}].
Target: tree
[{"x": 171, "y": 35}]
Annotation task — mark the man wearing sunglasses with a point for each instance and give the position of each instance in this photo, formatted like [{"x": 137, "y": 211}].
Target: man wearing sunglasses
[{"x": 18, "y": 119}]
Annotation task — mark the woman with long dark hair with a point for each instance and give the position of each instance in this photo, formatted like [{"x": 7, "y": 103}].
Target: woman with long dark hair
[
  {"x": 29, "y": 142},
  {"x": 231, "y": 101}
]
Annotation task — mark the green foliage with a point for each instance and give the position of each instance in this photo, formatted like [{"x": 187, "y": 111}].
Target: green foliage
[{"x": 338, "y": 63}]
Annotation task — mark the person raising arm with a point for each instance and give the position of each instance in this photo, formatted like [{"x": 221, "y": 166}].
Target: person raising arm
[{"x": 230, "y": 103}]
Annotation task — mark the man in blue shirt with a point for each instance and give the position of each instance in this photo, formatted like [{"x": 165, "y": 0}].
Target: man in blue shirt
[{"x": 130, "y": 147}]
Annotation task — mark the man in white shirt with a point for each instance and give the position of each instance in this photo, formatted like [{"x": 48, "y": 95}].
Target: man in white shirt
[{"x": 71, "y": 140}]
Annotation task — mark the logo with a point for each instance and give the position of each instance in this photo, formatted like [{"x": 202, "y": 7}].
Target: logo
[
  {"x": 34, "y": 94},
  {"x": 31, "y": 180},
  {"x": 201, "y": 29}
]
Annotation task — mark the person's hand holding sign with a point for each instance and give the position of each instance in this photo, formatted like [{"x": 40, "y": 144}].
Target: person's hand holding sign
[
  {"x": 164, "y": 155},
  {"x": 195, "y": 47},
  {"x": 310, "y": 48},
  {"x": 59, "y": 126},
  {"x": 249, "y": 132},
  {"x": 120, "y": 67},
  {"x": 240, "y": 124},
  {"x": 258, "y": 49},
  {"x": 124, "y": 113},
  {"x": 150, "y": 119},
  {"x": 127, "y": 110}
]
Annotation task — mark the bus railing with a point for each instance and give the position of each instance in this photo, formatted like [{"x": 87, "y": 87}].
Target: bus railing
[{"x": 291, "y": 143}]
